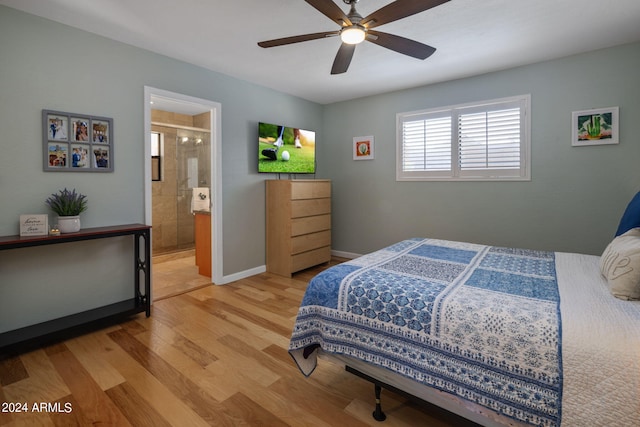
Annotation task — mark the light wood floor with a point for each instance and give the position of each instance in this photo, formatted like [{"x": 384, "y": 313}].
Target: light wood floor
[
  {"x": 213, "y": 356},
  {"x": 176, "y": 273}
]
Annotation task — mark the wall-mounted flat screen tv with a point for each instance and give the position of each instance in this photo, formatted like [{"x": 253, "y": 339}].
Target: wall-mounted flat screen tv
[{"x": 283, "y": 149}]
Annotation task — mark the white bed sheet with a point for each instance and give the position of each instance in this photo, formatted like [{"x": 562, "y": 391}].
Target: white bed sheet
[{"x": 600, "y": 347}]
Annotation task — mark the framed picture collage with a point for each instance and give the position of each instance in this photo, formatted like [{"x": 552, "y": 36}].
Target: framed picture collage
[{"x": 76, "y": 142}]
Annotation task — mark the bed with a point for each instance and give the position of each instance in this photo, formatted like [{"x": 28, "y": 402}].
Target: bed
[{"x": 501, "y": 336}]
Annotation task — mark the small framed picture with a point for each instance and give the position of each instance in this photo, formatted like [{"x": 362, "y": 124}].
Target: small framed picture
[
  {"x": 100, "y": 131},
  {"x": 594, "y": 127},
  {"x": 57, "y": 154},
  {"x": 80, "y": 129},
  {"x": 34, "y": 225},
  {"x": 80, "y": 157},
  {"x": 75, "y": 142},
  {"x": 363, "y": 148},
  {"x": 101, "y": 157},
  {"x": 57, "y": 127}
]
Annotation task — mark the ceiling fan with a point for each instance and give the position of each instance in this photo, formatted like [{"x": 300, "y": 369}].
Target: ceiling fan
[{"x": 356, "y": 29}]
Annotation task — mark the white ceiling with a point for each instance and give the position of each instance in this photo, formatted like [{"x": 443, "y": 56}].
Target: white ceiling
[{"x": 471, "y": 36}]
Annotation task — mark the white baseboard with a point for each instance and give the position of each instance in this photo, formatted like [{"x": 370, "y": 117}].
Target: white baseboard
[
  {"x": 243, "y": 274},
  {"x": 263, "y": 268},
  {"x": 342, "y": 254}
]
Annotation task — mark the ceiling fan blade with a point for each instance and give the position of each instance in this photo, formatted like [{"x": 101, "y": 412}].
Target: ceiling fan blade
[
  {"x": 331, "y": 10},
  {"x": 397, "y": 10},
  {"x": 343, "y": 58},
  {"x": 297, "y": 39},
  {"x": 401, "y": 44}
]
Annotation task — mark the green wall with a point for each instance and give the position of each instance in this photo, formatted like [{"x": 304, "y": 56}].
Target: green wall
[
  {"x": 573, "y": 201},
  {"x": 46, "y": 65}
]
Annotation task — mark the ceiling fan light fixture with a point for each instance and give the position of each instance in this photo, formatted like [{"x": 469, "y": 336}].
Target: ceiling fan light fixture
[{"x": 353, "y": 35}]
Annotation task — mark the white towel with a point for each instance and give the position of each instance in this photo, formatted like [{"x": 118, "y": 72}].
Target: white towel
[{"x": 200, "y": 200}]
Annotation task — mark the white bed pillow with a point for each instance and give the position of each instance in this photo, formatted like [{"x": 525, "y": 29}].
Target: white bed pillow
[{"x": 620, "y": 265}]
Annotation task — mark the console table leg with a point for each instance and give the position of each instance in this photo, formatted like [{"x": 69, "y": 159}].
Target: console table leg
[{"x": 143, "y": 266}]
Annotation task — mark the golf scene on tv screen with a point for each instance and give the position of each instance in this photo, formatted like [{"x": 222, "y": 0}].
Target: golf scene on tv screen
[{"x": 284, "y": 149}]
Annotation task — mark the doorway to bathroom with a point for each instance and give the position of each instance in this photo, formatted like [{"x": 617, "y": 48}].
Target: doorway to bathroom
[
  {"x": 180, "y": 185},
  {"x": 182, "y": 197}
]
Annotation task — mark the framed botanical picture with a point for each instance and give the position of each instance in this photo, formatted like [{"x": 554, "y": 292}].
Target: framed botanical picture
[
  {"x": 595, "y": 127},
  {"x": 363, "y": 148},
  {"x": 76, "y": 142}
]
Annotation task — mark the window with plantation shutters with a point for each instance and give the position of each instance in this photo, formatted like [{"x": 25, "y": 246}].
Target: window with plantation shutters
[{"x": 480, "y": 141}]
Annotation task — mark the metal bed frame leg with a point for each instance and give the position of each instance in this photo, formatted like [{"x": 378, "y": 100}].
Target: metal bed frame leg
[{"x": 378, "y": 415}]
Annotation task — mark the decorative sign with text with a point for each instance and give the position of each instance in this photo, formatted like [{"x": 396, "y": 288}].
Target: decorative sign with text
[{"x": 34, "y": 225}]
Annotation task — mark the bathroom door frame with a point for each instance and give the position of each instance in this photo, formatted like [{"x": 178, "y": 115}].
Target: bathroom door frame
[{"x": 214, "y": 108}]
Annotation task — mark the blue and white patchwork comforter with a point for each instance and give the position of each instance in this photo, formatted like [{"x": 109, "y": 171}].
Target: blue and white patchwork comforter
[{"x": 479, "y": 322}]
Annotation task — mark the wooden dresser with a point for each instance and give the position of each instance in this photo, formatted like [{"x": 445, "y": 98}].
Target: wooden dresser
[{"x": 298, "y": 224}]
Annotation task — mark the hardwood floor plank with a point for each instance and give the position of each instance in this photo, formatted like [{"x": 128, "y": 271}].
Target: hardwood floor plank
[
  {"x": 199, "y": 401},
  {"x": 44, "y": 383},
  {"x": 280, "y": 353},
  {"x": 254, "y": 293},
  {"x": 135, "y": 327},
  {"x": 315, "y": 401},
  {"x": 168, "y": 405},
  {"x": 253, "y": 334},
  {"x": 134, "y": 407},
  {"x": 276, "y": 365},
  {"x": 75, "y": 417},
  {"x": 251, "y": 367},
  {"x": 206, "y": 379},
  {"x": 30, "y": 419},
  {"x": 252, "y": 413},
  {"x": 167, "y": 317},
  {"x": 255, "y": 314},
  {"x": 195, "y": 321},
  {"x": 271, "y": 282},
  {"x": 241, "y": 304},
  {"x": 11, "y": 370},
  {"x": 283, "y": 407},
  {"x": 212, "y": 319},
  {"x": 95, "y": 405},
  {"x": 170, "y": 337},
  {"x": 55, "y": 348},
  {"x": 204, "y": 327},
  {"x": 90, "y": 351},
  {"x": 279, "y": 295},
  {"x": 277, "y": 404}
]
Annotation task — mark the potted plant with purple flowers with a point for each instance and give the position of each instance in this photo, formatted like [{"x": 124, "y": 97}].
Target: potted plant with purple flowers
[{"x": 68, "y": 205}]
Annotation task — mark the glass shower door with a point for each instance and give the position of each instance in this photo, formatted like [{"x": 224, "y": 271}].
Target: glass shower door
[{"x": 193, "y": 159}]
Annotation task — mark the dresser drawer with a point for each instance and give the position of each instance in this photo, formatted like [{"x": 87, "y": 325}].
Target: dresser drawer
[
  {"x": 310, "y": 258},
  {"x": 310, "y": 224},
  {"x": 301, "y": 208},
  {"x": 311, "y": 241},
  {"x": 310, "y": 190}
]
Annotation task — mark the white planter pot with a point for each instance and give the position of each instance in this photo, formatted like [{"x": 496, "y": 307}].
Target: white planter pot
[{"x": 69, "y": 224}]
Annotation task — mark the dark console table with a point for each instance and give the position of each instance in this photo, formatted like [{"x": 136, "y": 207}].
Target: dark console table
[{"x": 67, "y": 325}]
